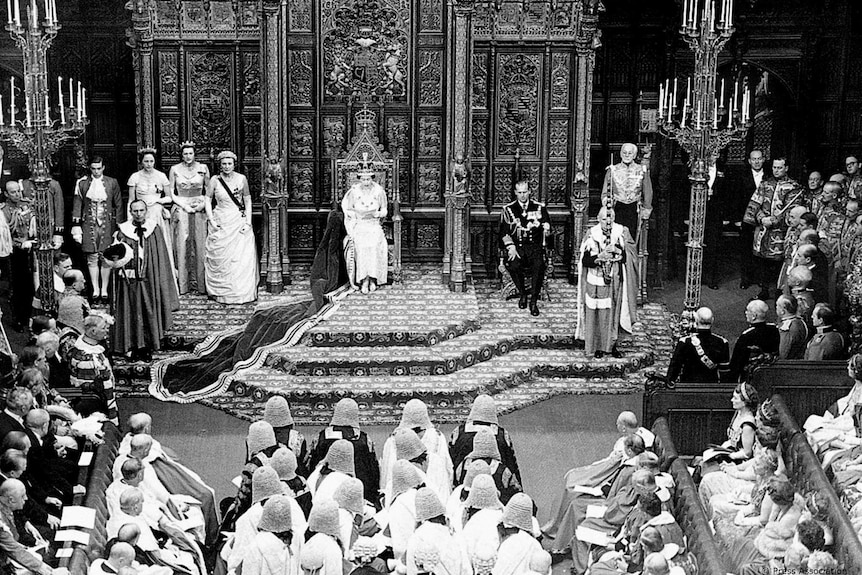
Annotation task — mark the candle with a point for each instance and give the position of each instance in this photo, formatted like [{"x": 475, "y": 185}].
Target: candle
[
  {"x": 71, "y": 95},
  {"x": 2, "y": 123},
  {"x": 9, "y": 10},
  {"x": 84, "y": 103},
  {"x": 47, "y": 12},
  {"x": 673, "y": 96},
  {"x": 60, "y": 92},
  {"x": 712, "y": 15},
  {"x": 688, "y": 90},
  {"x": 34, "y": 14},
  {"x": 694, "y": 14},
  {"x": 729, "y": 13},
  {"x": 684, "y": 13},
  {"x": 12, "y": 101},
  {"x": 735, "y": 95},
  {"x": 17, "y": 14},
  {"x": 54, "y": 11},
  {"x": 715, "y": 114},
  {"x": 722, "y": 92},
  {"x": 27, "y": 109},
  {"x": 729, "y": 117},
  {"x": 79, "y": 98},
  {"x": 47, "y": 117},
  {"x": 684, "y": 111},
  {"x": 660, "y": 101}
]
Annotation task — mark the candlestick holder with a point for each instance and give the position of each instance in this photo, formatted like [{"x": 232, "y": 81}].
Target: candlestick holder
[
  {"x": 697, "y": 127},
  {"x": 39, "y": 136}
]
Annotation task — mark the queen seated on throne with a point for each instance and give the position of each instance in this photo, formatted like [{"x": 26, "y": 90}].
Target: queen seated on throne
[{"x": 366, "y": 252}]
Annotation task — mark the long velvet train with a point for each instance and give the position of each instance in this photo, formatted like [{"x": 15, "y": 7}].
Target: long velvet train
[{"x": 214, "y": 364}]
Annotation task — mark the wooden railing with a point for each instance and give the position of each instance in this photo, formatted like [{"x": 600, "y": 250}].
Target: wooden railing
[
  {"x": 698, "y": 414},
  {"x": 686, "y": 505}
]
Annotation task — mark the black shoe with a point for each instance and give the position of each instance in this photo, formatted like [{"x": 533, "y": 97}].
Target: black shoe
[
  {"x": 599, "y": 354},
  {"x": 616, "y": 352},
  {"x": 522, "y": 303},
  {"x": 534, "y": 309}
]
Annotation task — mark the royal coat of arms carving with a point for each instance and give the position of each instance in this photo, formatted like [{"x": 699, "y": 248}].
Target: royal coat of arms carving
[{"x": 365, "y": 47}]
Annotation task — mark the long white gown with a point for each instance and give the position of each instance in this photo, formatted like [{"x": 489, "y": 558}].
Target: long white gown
[
  {"x": 366, "y": 251},
  {"x": 231, "y": 258}
]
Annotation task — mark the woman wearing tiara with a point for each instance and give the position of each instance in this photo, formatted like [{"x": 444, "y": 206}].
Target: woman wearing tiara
[
  {"x": 231, "y": 259},
  {"x": 187, "y": 181},
  {"x": 153, "y": 188},
  {"x": 365, "y": 250}
]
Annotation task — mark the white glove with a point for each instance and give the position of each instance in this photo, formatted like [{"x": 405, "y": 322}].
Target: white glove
[{"x": 77, "y": 234}]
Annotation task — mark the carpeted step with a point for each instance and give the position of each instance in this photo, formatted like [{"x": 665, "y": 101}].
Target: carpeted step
[
  {"x": 379, "y": 410},
  {"x": 492, "y": 376},
  {"x": 446, "y": 357}
]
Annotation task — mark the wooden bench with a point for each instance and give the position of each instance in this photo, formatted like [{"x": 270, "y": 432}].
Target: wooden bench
[
  {"x": 100, "y": 476},
  {"x": 698, "y": 414},
  {"x": 686, "y": 505},
  {"x": 806, "y": 474}
]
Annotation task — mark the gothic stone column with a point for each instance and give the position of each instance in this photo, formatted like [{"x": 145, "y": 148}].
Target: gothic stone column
[
  {"x": 455, "y": 270},
  {"x": 141, "y": 42},
  {"x": 587, "y": 43},
  {"x": 274, "y": 266}
]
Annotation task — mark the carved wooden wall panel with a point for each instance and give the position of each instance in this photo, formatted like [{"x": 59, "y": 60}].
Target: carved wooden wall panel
[
  {"x": 392, "y": 51},
  {"x": 531, "y": 117}
]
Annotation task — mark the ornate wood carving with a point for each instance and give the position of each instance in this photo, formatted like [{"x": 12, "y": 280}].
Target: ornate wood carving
[
  {"x": 430, "y": 136},
  {"x": 430, "y": 78},
  {"x": 561, "y": 66},
  {"x": 556, "y": 185},
  {"x": 302, "y": 236},
  {"x": 169, "y": 131},
  {"x": 300, "y": 77},
  {"x": 558, "y": 139},
  {"x": 168, "y": 75},
  {"x": 479, "y": 83},
  {"x": 479, "y": 138},
  {"x": 478, "y": 175},
  {"x": 251, "y": 78},
  {"x": 333, "y": 133},
  {"x": 518, "y": 97},
  {"x": 301, "y": 178},
  {"x": 431, "y": 15},
  {"x": 210, "y": 97},
  {"x": 429, "y": 191},
  {"x": 299, "y": 15},
  {"x": 365, "y": 48},
  {"x": 301, "y": 139}
]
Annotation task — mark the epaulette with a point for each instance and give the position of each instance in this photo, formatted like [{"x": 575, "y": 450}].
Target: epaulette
[{"x": 748, "y": 330}]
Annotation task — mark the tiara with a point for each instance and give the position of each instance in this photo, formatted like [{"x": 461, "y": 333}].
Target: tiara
[
  {"x": 147, "y": 150},
  {"x": 188, "y": 144}
]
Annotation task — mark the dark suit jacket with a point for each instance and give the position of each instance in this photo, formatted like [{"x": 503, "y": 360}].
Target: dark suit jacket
[
  {"x": 46, "y": 471},
  {"x": 7, "y": 424},
  {"x": 59, "y": 373}
]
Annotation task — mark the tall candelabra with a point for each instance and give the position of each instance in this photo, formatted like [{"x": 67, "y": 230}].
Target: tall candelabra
[
  {"x": 702, "y": 120},
  {"x": 38, "y": 134}
]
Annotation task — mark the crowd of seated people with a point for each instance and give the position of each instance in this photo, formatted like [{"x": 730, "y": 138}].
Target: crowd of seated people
[
  {"x": 41, "y": 439},
  {"x": 331, "y": 506},
  {"x": 836, "y": 438},
  {"x": 758, "y": 518}
]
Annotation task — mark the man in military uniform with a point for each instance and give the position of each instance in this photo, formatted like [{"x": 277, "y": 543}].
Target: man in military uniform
[
  {"x": 767, "y": 211},
  {"x": 629, "y": 184},
  {"x": 698, "y": 357},
  {"x": 759, "y": 339},
  {"x": 523, "y": 225}
]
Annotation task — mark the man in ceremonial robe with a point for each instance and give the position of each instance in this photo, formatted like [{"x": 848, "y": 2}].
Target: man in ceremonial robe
[
  {"x": 145, "y": 292},
  {"x": 607, "y": 285},
  {"x": 766, "y": 211}
]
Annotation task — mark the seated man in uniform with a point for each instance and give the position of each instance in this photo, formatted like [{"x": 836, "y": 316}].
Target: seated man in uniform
[
  {"x": 523, "y": 225},
  {"x": 698, "y": 357}
]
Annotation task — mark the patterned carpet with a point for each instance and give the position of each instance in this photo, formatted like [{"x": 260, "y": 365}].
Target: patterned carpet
[{"x": 418, "y": 339}]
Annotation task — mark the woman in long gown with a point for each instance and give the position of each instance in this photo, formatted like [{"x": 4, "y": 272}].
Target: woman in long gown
[
  {"x": 187, "y": 181},
  {"x": 231, "y": 258},
  {"x": 365, "y": 250},
  {"x": 153, "y": 187}
]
